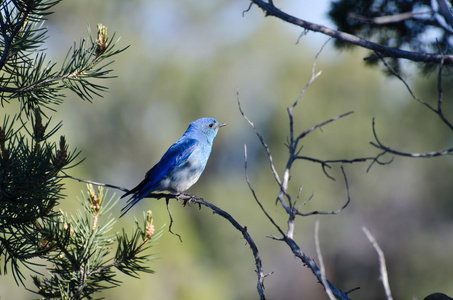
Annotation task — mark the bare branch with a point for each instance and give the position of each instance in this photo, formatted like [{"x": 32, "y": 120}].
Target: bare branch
[
  {"x": 254, "y": 194},
  {"x": 293, "y": 147},
  {"x": 440, "y": 98},
  {"x": 188, "y": 198},
  {"x": 243, "y": 230},
  {"x": 305, "y": 132},
  {"x": 271, "y": 10},
  {"x": 312, "y": 78},
  {"x": 397, "y": 75},
  {"x": 167, "y": 203},
  {"x": 386, "y": 149},
  {"x": 321, "y": 262},
  {"x": 311, "y": 264},
  {"x": 290, "y": 206},
  {"x": 274, "y": 172},
  {"x": 382, "y": 265},
  {"x": 93, "y": 182},
  {"x": 271, "y": 163},
  {"x": 326, "y": 163},
  {"x": 332, "y": 212},
  {"x": 385, "y": 19},
  {"x": 438, "y": 111}
]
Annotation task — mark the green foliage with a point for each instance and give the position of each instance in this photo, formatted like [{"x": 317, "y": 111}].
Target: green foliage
[
  {"x": 29, "y": 186},
  {"x": 28, "y": 77},
  {"x": 75, "y": 249},
  {"x": 78, "y": 246},
  {"x": 129, "y": 248}
]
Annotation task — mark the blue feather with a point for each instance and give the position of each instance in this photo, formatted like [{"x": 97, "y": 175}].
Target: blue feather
[{"x": 181, "y": 165}]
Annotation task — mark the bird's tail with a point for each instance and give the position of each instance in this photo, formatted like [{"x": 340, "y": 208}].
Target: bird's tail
[
  {"x": 131, "y": 202},
  {"x": 138, "y": 193}
]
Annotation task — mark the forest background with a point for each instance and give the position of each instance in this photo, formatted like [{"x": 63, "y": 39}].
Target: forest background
[{"x": 188, "y": 59}]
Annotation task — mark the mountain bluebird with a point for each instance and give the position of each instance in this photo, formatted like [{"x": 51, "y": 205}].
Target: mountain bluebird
[{"x": 181, "y": 165}]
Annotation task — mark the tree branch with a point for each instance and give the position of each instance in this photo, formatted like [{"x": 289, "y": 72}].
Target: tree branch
[
  {"x": 386, "y": 149},
  {"x": 384, "y": 19},
  {"x": 331, "y": 212},
  {"x": 321, "y": 262},
  {"x": 290, "y": 206},
  {"x": 382, "y": 265},
  {"x": 9, "y": 39},
  {"x": 188, "y": 198},
  {"x": 271, "y": 10},
  {"x": 437, "y": 110},
  {"x": 311, "y": 264}
]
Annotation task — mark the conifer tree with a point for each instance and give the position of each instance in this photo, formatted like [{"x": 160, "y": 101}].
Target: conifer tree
[{"x": 75, "y": 248}]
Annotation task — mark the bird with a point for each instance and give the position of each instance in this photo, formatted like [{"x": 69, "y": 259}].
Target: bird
[{"x": 182, "y": 164}]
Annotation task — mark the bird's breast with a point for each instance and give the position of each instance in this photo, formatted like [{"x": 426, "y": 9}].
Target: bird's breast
[{"x": 184, "y": 176}]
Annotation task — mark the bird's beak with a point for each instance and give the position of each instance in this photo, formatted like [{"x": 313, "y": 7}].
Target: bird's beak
[{"x": 221, "y": 125}]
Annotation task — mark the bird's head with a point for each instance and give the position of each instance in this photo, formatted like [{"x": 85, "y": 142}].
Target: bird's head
[{"x": 207, "y": 126}]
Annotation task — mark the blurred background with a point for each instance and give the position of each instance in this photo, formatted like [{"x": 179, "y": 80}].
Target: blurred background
[{"x": 188, "y": 59}]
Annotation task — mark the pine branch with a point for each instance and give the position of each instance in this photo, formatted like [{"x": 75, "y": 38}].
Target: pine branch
[
  {"x": 80, "y": 255},
  {"x": 33, "y": 81}
]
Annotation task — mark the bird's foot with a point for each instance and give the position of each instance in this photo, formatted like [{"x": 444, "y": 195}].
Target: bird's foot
[{"x": 187, "y": 198}]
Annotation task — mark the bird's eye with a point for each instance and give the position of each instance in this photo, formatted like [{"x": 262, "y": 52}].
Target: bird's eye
[{"x": 210, "y": 125}]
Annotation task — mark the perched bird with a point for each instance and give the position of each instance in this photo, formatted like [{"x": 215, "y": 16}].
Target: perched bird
[{"x": 181, "y": 165}]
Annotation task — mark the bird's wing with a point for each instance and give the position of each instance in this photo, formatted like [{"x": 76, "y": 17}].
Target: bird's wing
[{"x": 177, "y": 154}]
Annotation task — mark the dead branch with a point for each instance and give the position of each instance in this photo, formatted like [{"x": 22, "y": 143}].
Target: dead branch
[
  {"x": 385, "y": 19},
  {"x": 437, "y": 110},
  {"x": 188, "y": 198},
  {"x": 382, "y": 265},
  {"x": 321, "y": 262},
  {"x": 270, "y": 10},
  {"x": 378, "y": 144},
  {"x": 285, "y": 199}
]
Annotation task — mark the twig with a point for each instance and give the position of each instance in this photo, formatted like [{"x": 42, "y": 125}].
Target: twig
[
  {"x": 397, "y": 75},
  {"x": 310, "y": 263},
  {"x": 313, "y": 75},
  {"x": 167, "y": 203},
  {"x": 8, "y": 40},
  {"x": 387, "y": 19},
  {"x": 93, "y": 182},
  {"x": 440, "y": 97},
  {"x": 305, "y": 132},
  {"x": 438, "y": 111},
  {"x": 382, "y": 265},
  {"x": 331, "y": 212},
  {"x": 325, "y": 163},
  {"x": 188, "y": 198},
  {"x": 290, "y": 206},
  {"x": 321, "y": 262},
  {"x": 298, "y": 198},
  {"x": 274, "y": 171},
  {"x": 271, "y": 10},
  {"x": 255, "y": 197},
  {"x": 269, "y": 156},
  {"x": 386, "y": 149},
  {"x": 247, "y": 237}
]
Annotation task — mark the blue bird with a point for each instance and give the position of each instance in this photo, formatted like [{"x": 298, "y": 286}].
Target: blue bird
[{"x": 181, "y": 165}]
